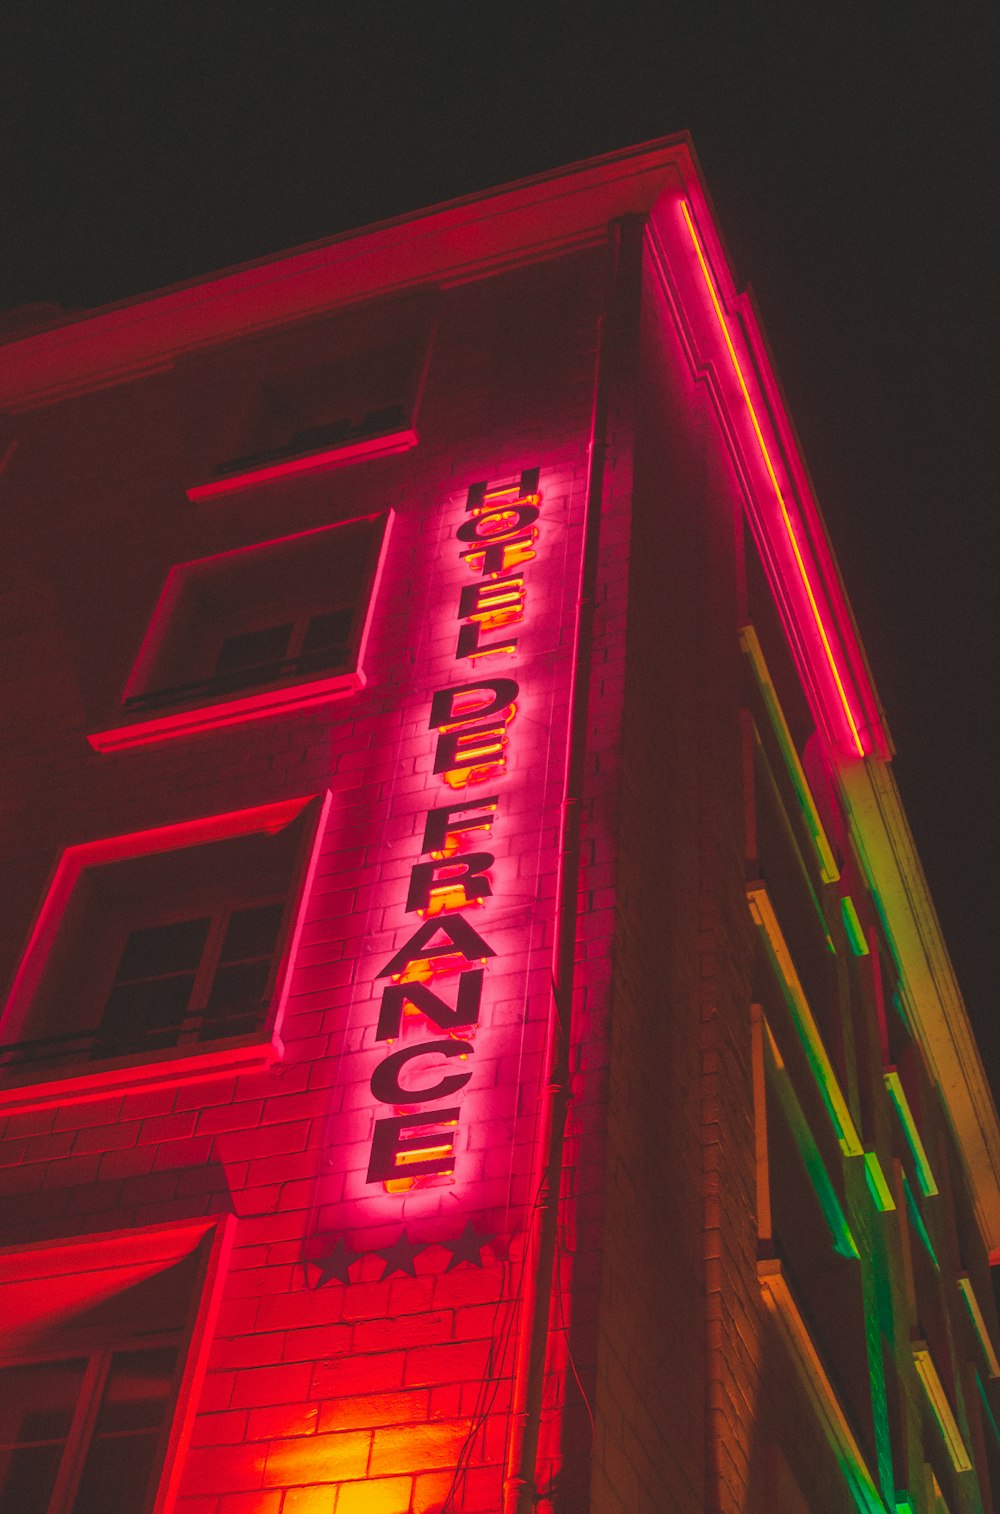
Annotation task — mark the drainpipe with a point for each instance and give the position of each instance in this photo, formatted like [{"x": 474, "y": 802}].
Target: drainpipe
[{"x": 520, "y": 1484}]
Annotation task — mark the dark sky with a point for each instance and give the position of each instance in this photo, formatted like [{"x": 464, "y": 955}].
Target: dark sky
[{"x": 852, "y": 154}]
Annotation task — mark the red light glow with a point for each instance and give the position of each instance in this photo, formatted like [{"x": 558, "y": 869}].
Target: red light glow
[
  {"x": 772, "y": 475},
  {"x": 333, "y": 457}
]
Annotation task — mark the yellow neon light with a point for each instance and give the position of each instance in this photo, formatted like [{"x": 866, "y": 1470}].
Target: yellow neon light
[
  {"x": 979, "y": 1325},
  {"x": 785, "y": 1312},
  {"x": 762, "y": 913},
  {"x": 877, "y": 1186},
  {"x": 772, "y": 475},
  {"x": 901, "y": 1104},
  {"x": 750, "y": 642},
  {"x": 941, "y": 1408}
]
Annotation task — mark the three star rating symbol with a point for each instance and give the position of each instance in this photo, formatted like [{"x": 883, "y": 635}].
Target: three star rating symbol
[{"x": 400, "y": 1257}]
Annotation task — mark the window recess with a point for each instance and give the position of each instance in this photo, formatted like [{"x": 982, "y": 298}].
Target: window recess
[
  {"x": 161, "y": 955},
  {"x": 337, "y": 393},
  {"x": 784, "y": 1098},
  {"x": 979, "y": 1325},
  {"x": 940, "y": 1407},
  {"x": 808, "y": 1253},
  {"x": 776, "y": 724},
  {"x": 821, "y": 1391},
  {"x": 255, "y": 632},
  {"x": 896, "y": 1090},
  {"x": 801, "y": 1015},
  {"x": 781, "y": 861},
  {"x": 102, "y": 1350}
]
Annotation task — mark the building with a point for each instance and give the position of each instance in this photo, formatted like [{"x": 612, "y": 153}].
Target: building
[{"x": 477, "y": 1037}]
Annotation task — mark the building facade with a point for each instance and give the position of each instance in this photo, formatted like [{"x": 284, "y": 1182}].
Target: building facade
[{"x": 476, "y": 1035}]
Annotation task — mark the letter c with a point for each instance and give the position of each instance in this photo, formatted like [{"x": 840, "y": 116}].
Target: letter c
[{"x": 385, "y": 1084}]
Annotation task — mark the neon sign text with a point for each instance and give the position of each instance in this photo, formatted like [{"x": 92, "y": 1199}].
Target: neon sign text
[{"x": 452, "y": 877}]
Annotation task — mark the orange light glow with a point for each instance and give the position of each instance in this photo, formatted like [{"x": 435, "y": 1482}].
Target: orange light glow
[
  {"x": 465, "y": 707},
  {"x": 434, "y": 1150},
  {"x": 772, "y": 475},
  {"x": 520, "y": 499},
  {"x": 423, "y": 1154},
  {"x": 500, "y": 647},
  {"x": 460, "y": 778},
  {"x": 424, "y": 969},
  {"x": 494, "y": 603},
  {"x": 504, "y": 555},
  {"x": 458, "y": 840},
  {"x": 448, "y": 897}
]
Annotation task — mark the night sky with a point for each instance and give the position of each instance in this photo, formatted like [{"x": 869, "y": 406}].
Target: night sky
[{"x": 851, "y": 151}]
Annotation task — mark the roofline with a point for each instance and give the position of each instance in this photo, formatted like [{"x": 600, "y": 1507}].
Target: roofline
[{"x": 533, "y": 218}]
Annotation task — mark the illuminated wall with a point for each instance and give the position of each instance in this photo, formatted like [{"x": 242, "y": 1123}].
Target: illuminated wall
[{"x": 470, "y": 986}]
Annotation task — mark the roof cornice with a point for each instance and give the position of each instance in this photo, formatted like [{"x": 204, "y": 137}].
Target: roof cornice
[{"x": 465, "y": 239}]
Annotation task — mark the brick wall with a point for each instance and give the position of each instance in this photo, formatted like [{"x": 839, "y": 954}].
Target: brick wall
[{"x": 359, "y": 1397}]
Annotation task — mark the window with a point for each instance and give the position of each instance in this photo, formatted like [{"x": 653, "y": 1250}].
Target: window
[
  {"x": 102, "y": 1349},
  {"x": 109, "y": 1406},
  {"x": 336, "y": 393},
  {"x": 168, "y": 944},
  {"x": 250, "y": 633},
  {"x": 207, "y": 976}
]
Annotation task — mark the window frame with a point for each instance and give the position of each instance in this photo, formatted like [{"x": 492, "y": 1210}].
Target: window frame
[
  {"x": 217, "y": 919},
  {"x": 24, "y": 1087},
  {"x": 291, "y": 691},
  {"x": 64, "y": 1265},
  {"x": 401, "y": 330}
]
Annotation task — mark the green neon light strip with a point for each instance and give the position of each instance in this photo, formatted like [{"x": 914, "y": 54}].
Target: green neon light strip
[
  {"x": 789, "y": 830},
  {"x": 853, "y": 927},
  {"x": 840, "y": 1231},
  {"x": 917, "y": 1221},
  {"x": 990, "y": 1418},
  {"x": 925, "y": 1176},
  {"x": 903, "y": 1504},
  {"x": 762, "y": 911},
  {"x": 877, "y": 1186},
  {"x": 979, "y": 1325},
  {"x": 828, "y": 870}
]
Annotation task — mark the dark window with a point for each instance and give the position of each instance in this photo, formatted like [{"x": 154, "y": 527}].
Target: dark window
[
  {"x": 313, "y": 644},
  {"x": 286, "y": 618},
  {"x": 334, "y": 387},
  {"x": 107, "y": 1411},
  {"x": 250, "y": 657},
  {"x": 167, "y": 949},
  {"x": 89, "y": 1387},
  {"x": 37, "y": 1407},
  {"x": 205, "y": 976}
]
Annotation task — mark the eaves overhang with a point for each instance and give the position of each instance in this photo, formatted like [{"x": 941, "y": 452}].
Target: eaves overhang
[{"x": 464, "y": 239}]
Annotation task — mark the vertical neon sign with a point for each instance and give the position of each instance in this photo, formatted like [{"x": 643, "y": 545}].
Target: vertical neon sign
[{"x": 416, "y": 1145}]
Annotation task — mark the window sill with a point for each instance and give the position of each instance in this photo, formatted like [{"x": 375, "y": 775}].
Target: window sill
[
  {"x": 46, "y": 1088},
  {"x": 228, "y": 711},
  {"x": 309, "y": 462}
]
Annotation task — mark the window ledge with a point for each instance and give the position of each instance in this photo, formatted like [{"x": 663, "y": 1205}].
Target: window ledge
[
  {"x": 229, "y": 711},
  {"x": 308, "y": 462},
  {"x": 46, "y": 1088},
  {"x": 783, "y": 1309}
]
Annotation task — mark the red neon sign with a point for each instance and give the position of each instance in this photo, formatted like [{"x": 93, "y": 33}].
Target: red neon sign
[{"x": 414, "y": 1144}]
